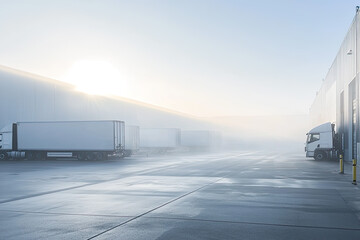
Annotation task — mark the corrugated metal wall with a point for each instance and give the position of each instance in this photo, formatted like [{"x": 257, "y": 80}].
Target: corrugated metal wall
[
  {"x": 339, "y": 92},
  {"x": 26, "y": 97}
]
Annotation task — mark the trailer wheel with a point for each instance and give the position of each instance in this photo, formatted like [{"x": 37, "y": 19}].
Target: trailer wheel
[
  {"x": 40, "y": 156},
  {"x": 320, "y": 155},
  {"x": 89, "y": 156},
  {"x": 98, "y": 156},
  {"x": 3, "y": 156},
  {"x": 30, "y": 155},
  {"x": 81, "y": 156},
  {"x": 127, "y": 153}
]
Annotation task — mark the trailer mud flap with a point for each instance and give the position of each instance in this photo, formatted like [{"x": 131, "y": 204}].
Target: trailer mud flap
[{"x": 14, "y": 137}]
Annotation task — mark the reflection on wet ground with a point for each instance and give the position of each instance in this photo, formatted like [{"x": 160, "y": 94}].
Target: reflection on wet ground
[{"x": 237, "y": 195}]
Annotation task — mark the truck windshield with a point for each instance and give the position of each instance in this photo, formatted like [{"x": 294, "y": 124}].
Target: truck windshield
[{"x": 312, "y": 137}]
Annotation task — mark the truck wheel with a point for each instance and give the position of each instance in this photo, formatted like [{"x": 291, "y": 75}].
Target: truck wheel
[
  {"x": 319, "y": 155},
  {"x": 3, "y": 156}
]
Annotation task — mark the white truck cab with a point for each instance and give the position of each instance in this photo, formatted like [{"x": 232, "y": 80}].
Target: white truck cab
[
  {"x": 5, "y": 141},
  {"x": 320, "y": 142},
  {"x": 6, "y": 138}
]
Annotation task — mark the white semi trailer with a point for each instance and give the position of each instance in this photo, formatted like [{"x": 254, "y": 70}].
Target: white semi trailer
[
  {"x": 322, "y": 142},
  {"x": 81, "y": 139},
  {"x": 160, "y": 138},
  {"x": 132, "y": 140},
  {"x": 200, "y": 139}
]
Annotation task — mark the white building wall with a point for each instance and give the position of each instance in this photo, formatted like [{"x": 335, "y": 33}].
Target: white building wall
[
  {"x": 26, "y": 97},
  {"x": 338, "y": 82}
]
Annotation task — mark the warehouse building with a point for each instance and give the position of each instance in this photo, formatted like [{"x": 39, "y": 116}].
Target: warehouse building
[
  {"x": 28, "y": 97},
  {"x": 338, "y": 99}
]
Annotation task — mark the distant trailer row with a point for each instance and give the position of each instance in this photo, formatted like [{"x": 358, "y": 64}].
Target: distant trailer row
[
  {"x": 170, "y": 138},
  {"x": 159, "y": 137},
  {"x": 95, "y": 140},
  {"x": 200, "y": 140}
]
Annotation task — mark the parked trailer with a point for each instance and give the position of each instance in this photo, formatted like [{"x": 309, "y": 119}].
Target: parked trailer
[
  {"x": 200, "y": 139},
  {"x": 81, "y": 139},
  {"x": 159, "y": 138},
  {"x": 132, "y": 140}
]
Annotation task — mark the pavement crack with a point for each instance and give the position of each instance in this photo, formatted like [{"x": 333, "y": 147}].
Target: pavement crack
[
  {"x": 154, "y": 209},
  {"x": 166, "y": 203},
  {"x": 65, "y": 214},
  {"x": 255, "y": 223},
  {"x": 141, "y": 172}
]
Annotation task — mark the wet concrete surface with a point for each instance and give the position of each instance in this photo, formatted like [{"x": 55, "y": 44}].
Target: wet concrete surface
[{"x": 233, "y": 195}]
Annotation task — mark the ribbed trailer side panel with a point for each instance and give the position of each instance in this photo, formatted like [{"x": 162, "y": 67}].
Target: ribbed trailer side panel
[
  {"x": 68, "y": 136},
  {"x": 201, "y": 139},
  {"x": 132, "y": 138},
  {"x": 196, "y": 138},
  {"x": 159, "y": 137}
]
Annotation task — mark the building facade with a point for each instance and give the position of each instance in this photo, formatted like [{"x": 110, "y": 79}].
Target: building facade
[
  {"x": 28, "y": 97},
  {"x": 337, "y": 101}
]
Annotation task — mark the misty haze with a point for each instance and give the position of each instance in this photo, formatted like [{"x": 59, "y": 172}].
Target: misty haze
[{"x": 179, "y": 119}]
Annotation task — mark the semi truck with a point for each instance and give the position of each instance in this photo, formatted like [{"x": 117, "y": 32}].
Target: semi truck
[
  {"x": 323, "y": 143},
  {"x": 85, "y": 140}
]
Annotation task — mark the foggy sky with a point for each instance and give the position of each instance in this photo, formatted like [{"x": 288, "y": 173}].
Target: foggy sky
[{"x": 206, "y": 58}]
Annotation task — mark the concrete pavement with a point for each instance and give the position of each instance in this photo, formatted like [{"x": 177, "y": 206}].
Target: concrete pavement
[{"x": 236, "y": 195}]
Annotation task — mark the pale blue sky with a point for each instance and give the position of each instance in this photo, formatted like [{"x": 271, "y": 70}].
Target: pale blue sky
[{"x": 206, "y": 58}]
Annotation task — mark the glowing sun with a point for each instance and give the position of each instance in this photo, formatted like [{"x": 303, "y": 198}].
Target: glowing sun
[{"x": 96, "y": 77}]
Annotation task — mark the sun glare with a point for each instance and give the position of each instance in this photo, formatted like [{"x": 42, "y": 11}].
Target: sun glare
[{"x": 96, "y": 77}]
